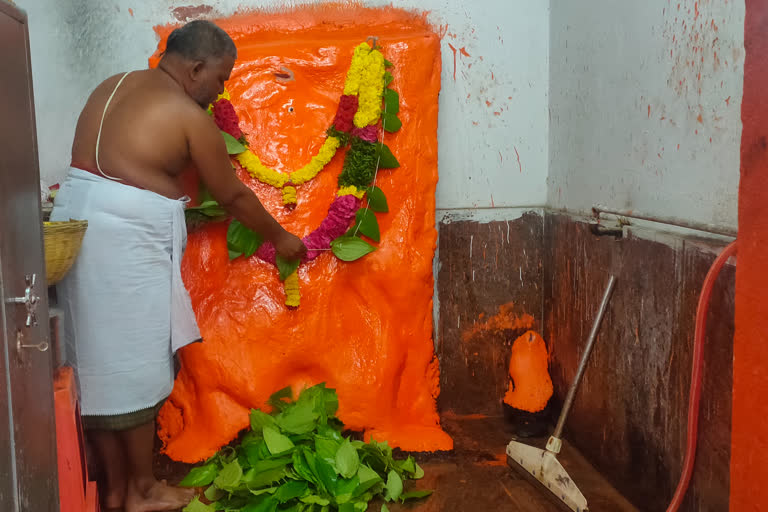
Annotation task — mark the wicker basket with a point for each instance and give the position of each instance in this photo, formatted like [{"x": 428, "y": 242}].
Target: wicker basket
[{"x": 62, "y": 245}]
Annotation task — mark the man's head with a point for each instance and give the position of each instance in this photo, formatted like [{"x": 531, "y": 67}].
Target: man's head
[{"x": 202, "y": 55}]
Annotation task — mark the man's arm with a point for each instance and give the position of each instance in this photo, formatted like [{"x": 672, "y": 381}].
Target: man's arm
[{"x": 209, "y": 154}]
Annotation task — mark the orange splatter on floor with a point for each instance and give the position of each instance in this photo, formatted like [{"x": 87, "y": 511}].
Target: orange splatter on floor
[
  {"x": 499, "y": 460},
  {"x": 530, "y": 387},
  {"x": 505, "y": 319},
  {"x": 364, "y": 328}
]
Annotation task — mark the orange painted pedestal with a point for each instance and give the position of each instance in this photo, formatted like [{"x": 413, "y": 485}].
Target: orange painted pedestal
[
  {"x": 364, "y": 327},
  {"x": 76, "y": 494}
]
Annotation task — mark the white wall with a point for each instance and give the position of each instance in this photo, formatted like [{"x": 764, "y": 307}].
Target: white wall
[
  {"x": 645, "y": 104},
  {"x": 494, "y": 110}
]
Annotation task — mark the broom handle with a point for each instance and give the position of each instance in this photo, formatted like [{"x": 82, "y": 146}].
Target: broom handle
[{"x": 584, "y": 358}]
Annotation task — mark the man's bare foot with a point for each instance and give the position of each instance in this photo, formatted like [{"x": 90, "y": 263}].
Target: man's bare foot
[{"x": 157, "y": 496}]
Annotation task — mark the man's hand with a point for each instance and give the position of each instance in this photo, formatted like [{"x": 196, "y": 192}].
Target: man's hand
[{"x": 290, "y": 247}]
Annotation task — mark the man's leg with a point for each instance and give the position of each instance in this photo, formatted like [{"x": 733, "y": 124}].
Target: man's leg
[
  {"x": 110, "y": 451},
  {"x": 145, "y": 493}
]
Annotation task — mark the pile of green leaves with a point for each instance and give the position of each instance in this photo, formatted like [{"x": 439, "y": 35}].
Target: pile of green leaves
[{"x": 297, "y": 460}]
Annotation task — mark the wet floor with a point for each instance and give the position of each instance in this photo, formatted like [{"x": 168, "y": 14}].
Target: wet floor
[{"x": 475, "y": 477}]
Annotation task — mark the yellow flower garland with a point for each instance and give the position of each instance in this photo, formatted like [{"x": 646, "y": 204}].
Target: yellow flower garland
[
  {"x": 371, "y": 90},
  {"x": 354, "y": 75},
  {"x": 291, "y": 287},
  {"x": 351, "y": 190},
  {"x": 251, "y": 163}
]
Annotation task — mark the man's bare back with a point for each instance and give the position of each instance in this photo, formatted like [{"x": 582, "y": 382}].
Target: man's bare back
[
  {"x": 144, "y": 140},
  {"x": 156, "y": 126}
]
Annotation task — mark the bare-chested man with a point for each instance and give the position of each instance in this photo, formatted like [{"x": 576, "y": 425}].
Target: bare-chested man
[{"x": 127, "y": 309}]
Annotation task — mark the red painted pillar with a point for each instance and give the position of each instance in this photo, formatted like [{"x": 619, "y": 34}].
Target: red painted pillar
[{"x": 749, "y": 452}]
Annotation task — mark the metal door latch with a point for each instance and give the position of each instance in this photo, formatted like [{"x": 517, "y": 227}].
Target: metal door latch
[
  {"x": 42, "y": 346},
  {"x": 30, "y": 300}
]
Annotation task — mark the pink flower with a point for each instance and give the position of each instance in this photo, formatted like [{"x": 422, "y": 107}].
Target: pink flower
[
  {"x": 340, "y": 214},
  {"x": 368, "y": 134}
]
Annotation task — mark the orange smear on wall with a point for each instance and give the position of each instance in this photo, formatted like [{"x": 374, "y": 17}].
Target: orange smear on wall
[
  {"x": 530, "y": 387},
  {"x": 365, "y": 327},
  {"x": 506, "y": 319}
]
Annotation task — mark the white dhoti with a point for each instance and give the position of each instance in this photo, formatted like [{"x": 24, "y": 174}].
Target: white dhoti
[{"x": 125, "y": 304}]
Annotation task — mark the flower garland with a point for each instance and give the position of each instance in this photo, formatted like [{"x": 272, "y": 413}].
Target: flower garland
[
  {"x": 355, "y": 124},
  {"x": 359, "y": 111}
]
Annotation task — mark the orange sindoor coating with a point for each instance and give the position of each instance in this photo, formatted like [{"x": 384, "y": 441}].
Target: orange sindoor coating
[
  {"x": 364, "y": 328},
  {"x": 530, "y": 387}
]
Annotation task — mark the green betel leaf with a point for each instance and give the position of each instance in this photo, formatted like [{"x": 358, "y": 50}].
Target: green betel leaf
[
  {"x": 327, "y": 448},
  {"x": 197, "y": 506},
  {"x": 316, "y": 500},
  {"x": 267, "y": 504},
  {"x": 326, "y": 475},
  {"x": 234, "y": 147},
  {"x": 300, "y": 418},
  {"x": 386, "y": 159},
  {"x": 286, "y": 267},
  {"x": 351, "y": 248},
  {"x": 266, "y": 490},
  {"x": 384, "y": 508},
  {"x": 213, "y": 493},
  {"x": 390, "y": 122},
  {"x": 388, "y": 78},
  {"x": 377, "y": 200},
  {"x": 229, "y": 476},
  {"x": 368, "y": 224},
  {"x": 201, "y": 476},
  {"x": 391, "y": 101},
  {"x": 388, "y": 64},
  {"x": 241, "y": 239},
  {"x": 394, "y": 486},
  {"x": 208, "y": 208},
  {"x": 368, "y": 478},
  {"x": 408, "y": 465},
  {"x": 266, "y": 465},
  {"x": 418, "y": 473},
  {"x": 234, "y": 254},
  {"x": 260, "y": 419},
  {"x": 415, "y": 495},
  {"x": 345, "y": 487},
  {"x": 266, "y": 478},
  {"x": 277, "y": 443},
  {"x": 302, "y": 467},
  {"x": 291, "y": 490},
  {"x": 347, "y": 460}
]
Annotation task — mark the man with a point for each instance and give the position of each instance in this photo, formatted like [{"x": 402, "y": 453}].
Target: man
[{"x": 127, "y": 308}]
